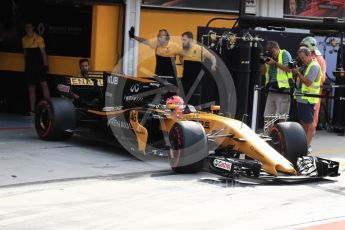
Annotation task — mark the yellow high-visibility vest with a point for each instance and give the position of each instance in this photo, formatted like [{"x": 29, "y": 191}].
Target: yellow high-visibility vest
[
  {"x": 282, "y": 76},
  {"x": 314, "y": 88}
]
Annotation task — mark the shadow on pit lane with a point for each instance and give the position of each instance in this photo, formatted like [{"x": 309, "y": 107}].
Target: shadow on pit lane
[
  {"x": 108, "y": 148},
  {"x": 94, "y": 144},
  {"x": 78, "y": 141},
  {"x": 29, "y": 134},
  {"x": 203, "y": 177},
  {"x": 253, "y": 182},
  {"x": 212, "y": 179}
]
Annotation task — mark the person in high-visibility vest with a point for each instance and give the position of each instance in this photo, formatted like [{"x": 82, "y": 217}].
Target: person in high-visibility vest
[
  {"x": 308, "y": 81},
  {"x": 311, "y": 43},
  {"x": 278, "y": 76}
]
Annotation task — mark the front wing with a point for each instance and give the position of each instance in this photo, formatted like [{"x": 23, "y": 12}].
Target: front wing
[{"x": 309, "y": 168}]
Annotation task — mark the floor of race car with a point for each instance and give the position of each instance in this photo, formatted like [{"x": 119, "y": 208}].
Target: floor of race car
[{"x": 83, "y": 184}]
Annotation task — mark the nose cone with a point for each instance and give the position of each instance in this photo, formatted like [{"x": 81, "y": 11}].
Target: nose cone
[{"x": 286, "y": 169}]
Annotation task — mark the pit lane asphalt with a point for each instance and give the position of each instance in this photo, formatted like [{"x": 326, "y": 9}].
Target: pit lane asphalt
[{"x": 84, "y": 184}]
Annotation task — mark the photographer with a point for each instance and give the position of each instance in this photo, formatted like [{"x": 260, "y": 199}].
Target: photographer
[
  {"x": 278, "y": 75},
  {"x": 308, "y": 80},
  {"x": 311, "y": 43}
]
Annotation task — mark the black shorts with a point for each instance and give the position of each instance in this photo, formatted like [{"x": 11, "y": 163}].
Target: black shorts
[
  {"x": 35, "y": 75},
  {"x": 305, "y": 112}
]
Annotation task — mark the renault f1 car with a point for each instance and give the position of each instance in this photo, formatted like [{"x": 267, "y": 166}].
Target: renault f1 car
[{"x": 145, "y": 116}]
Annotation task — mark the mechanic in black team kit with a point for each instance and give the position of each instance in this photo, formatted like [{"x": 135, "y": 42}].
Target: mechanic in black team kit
[
  {"x": 84, "y": 67},
  {"x": 93, "y": 97},
  {"x": 36, "y": 64},
  {"x": 166, "y": 52},
  {"x": 89, "y": 97},
  {"x": 193, "y": 57}
]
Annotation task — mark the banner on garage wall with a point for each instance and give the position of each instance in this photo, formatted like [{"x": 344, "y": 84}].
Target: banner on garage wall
[
  {"x": 65, "y": 28},
  {"x": 315, "y": 8}
]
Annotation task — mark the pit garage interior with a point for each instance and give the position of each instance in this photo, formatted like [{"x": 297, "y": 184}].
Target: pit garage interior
[{"x": 86, "y": 183}]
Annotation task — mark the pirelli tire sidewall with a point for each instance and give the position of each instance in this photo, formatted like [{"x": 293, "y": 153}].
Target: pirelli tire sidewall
[
  {"x": 189, "y": 147},
  {"x": 55, "y": 119},
  {"x": 290, "y": 139}
]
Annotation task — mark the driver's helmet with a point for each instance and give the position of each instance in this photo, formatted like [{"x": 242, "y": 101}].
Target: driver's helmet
[
  {"x": 309, "y": 42},
  {"x": 176, "y": 103}
]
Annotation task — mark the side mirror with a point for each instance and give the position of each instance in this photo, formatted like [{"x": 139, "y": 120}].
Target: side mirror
[{"x": 215, "y": 108}]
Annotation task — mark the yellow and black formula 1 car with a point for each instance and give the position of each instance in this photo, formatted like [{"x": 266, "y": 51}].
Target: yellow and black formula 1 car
[{"x": 146, "y": 118}]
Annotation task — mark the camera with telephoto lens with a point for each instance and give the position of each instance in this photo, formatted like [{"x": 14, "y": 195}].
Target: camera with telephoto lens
[
  {"x": 264, "y": 58},
  {"x": 294, "y": 64}
]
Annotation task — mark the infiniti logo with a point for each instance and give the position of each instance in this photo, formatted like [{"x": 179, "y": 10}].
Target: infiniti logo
[{"x": 134, "y": 88}]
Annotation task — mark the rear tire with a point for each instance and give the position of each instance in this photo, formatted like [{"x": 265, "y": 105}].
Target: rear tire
[
  {"x": 53, "y": 117},
  {"x": 290, "y": 140},
  {"x": 189, "y": 147}
]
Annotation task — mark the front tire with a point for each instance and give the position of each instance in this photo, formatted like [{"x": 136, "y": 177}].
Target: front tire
[
  {"x": 290, "y": 140},
  {"x": 55, "y": 119},
  {"x": 189, "y": 147}
]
